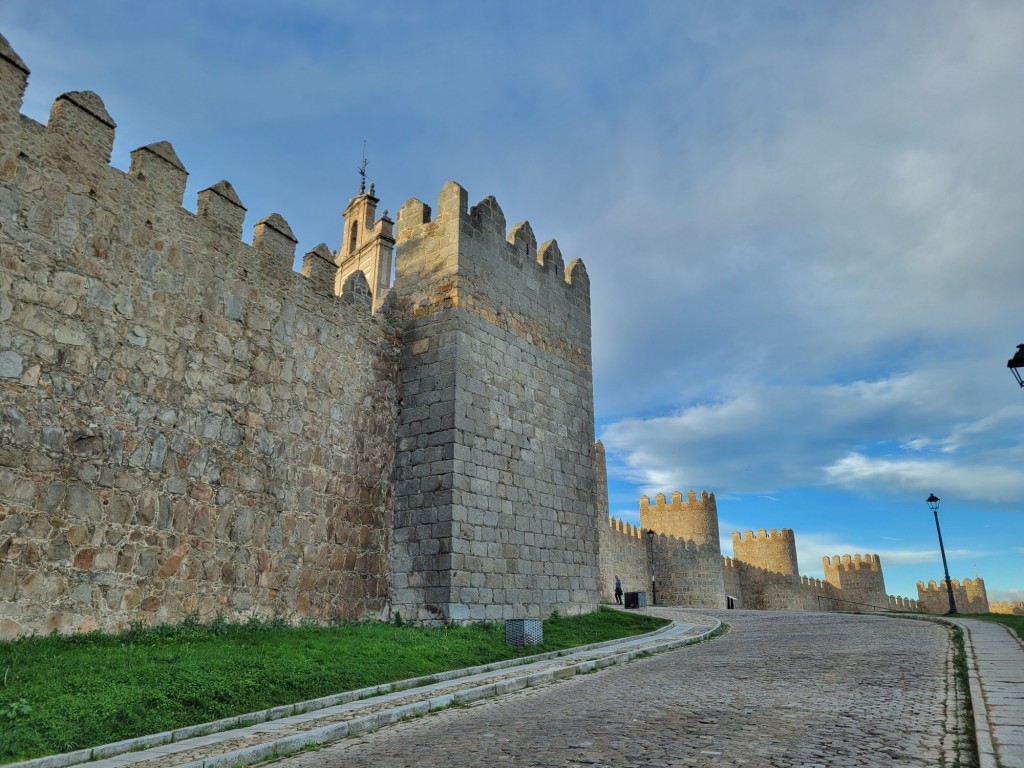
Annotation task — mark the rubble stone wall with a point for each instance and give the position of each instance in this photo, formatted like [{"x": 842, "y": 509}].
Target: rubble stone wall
[{"x": 187, "y": 425}]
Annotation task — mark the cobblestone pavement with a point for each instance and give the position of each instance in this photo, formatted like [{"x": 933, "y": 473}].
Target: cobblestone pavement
[{"x": 780, "y": 690}]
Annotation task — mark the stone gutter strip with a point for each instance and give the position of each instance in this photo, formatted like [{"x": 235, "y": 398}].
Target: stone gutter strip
[{"x": 158, "y": 749}]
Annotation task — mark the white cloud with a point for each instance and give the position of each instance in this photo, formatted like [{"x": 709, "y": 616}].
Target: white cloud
[
  {"x": 965, "y": 480},
  {"x": 894, "y": 432}
]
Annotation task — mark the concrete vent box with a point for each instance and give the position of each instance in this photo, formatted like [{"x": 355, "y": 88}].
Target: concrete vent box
[{"x": 524, "y": 631}]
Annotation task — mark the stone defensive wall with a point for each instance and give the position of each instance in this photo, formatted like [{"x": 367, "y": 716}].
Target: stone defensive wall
[
  {"x": 757, "y": 588},
  {"x": 684, "y": 572},
  {"x": 626, "y": 554},
  {"x": 773, "y": 551},
  {"x": 187, "y": 425},
  {"x": 495, "y": 486},
  {"x": 970, "y": 596},
  {"x": 762, "y": 574},
  {"x": 899, "y": 603},
  {"x": 687, "y": 572},
  {"x": 1014, "y": 607}
]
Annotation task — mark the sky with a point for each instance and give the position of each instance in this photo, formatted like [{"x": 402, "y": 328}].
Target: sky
[{"x": 803, "y": 221}]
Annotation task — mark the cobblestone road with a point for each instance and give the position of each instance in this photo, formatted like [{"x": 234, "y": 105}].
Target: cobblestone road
[{"x": 798, "y": 689}]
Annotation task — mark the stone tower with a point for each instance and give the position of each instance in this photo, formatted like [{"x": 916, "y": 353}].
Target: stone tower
[
  {"x": 495, "y": 498},
  {"x": 859, "y": 579},
  {"x": 694, "y": 520},
  {"x": 976, "y": 596},
  {"x": 773, "y": 551},
  {"x": 685, "y": 554},
  {"x": 366, "y": 245}
]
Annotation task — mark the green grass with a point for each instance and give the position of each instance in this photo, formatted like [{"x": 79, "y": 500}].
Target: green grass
[
  {"x": 61, "y": 693},
  {"x": 967, "y": 744}
]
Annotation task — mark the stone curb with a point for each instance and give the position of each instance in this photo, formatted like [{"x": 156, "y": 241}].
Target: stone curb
[{"x": 335, "y": 731}]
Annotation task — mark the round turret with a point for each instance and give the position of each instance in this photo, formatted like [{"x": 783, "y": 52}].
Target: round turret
[
  {"x": 774, "y": 551},
  {"x": 695, "y": 519}
]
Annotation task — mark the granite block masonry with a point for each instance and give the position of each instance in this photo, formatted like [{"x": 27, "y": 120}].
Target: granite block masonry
[
  {"x": 188, "y": 426},
  {"x": 495, "y": 477}
]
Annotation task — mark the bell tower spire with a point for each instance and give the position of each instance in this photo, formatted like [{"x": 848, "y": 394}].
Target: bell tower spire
[{"x": 367, "y": 243}]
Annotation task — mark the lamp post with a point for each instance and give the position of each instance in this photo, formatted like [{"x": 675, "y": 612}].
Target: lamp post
[
  {"x": 1015, "y": 363},
  {"x": 650, "y": 549},
  {"x": 933, "y": 505}
]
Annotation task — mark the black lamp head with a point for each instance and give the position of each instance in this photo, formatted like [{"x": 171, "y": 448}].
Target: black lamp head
[{"x": 1015, "y": 364}]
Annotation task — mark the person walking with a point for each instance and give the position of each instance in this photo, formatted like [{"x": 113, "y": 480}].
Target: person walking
[{"x": 618, "y": 591}]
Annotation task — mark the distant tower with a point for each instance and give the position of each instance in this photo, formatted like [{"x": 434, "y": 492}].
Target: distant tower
[
  {"x": 774, "y": 551},
  {"x": 976, "y": 597},
  {"x": 859, "y": 579},
  {"x": 367, "y": 245},
  {"x": 694, "y": 520}
]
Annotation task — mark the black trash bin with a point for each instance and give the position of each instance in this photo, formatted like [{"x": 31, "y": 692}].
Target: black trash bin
[{"x": 635, "y": 599}]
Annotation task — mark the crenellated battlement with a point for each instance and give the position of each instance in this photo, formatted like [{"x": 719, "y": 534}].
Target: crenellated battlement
[
  {"x": 969, "y": 595},
  {"x": 785, "y": 534},
  {"x": 707, "y": 500},
  {"x": 485, "y": 224},
  {"x": 859, "y": 577},
  {"x": 693, "y": 519},
  {"x": 1012, "y": 607},
  {"x": 215, "y": 408},
  {"x": 500, "y": 328},
  {"x": 851, "y": 563},
  {"x": 625, "y": 528},
  {"x": 78, "y": 139},
  {"x": 462, "y": 259}
]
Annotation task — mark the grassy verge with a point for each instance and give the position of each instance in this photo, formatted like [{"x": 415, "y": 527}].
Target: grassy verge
[
  {"x": 61, "y": 693},
  {"x": 966, "y": 740}
]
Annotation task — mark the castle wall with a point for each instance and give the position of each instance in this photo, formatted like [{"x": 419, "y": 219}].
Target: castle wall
[
  {"x": 731, "y": 581},
  {"x": 686, "y": 553},
  {"x": 186, "y": 424},
  {"x": 975, "y": 595},
  {"x": 495, "y": 497},
  {"x": 899, "y": 603},
  {"x": 760, "y": 589},
  {"x": 687, "y": 573},
  {"x": 624, "y": 553},
  {"x": 1012, "y": 607},
  {"x": 970, "y": 596}
]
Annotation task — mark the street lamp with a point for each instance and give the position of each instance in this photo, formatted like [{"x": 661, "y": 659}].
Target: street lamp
[
  {"x": 650, "y": 548},
  {"x": 1015, "y": 363},
  {"x": 933, "y": 505}
]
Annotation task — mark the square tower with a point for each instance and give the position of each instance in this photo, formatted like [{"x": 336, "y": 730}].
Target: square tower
[
  {"x": 366, "y": 245},
  {"x": 495, "y": 480}
]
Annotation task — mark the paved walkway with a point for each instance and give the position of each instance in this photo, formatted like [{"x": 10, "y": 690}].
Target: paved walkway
[
  {"x": 996, "y": 659},
  {"x": 779, "y": 690}
]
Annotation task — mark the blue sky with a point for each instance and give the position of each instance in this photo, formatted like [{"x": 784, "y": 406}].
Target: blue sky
[{"x": 802, "y": 220}]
